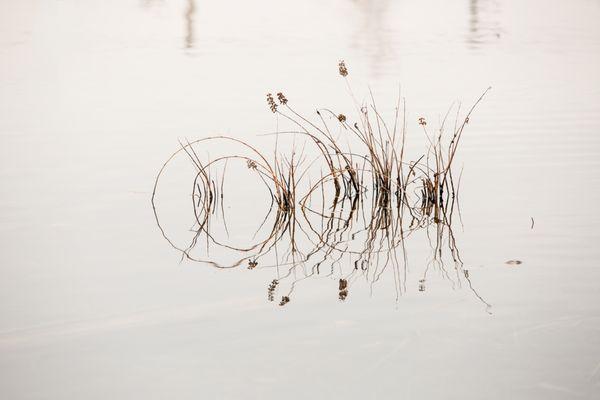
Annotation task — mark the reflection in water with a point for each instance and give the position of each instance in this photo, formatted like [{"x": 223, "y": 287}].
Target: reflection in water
[
  {"x": 484, "y": 27},
  {"x": 473, "y": 16},
  {"x": 188, "y": 17},
  {"x": 189, "y": 24},
  {"x": 371, "y": 36},
  {"x": 348, "y": 212},
  {"x": 151, "y": 3}
]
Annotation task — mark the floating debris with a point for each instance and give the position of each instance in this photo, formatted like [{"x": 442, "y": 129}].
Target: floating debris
[{"x": 514, "y": 262}]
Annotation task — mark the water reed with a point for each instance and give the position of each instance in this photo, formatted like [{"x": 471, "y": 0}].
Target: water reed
[{"x": 367, "y": 200}]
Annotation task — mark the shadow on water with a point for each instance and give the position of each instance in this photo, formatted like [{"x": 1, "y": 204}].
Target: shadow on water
[{"x": 345, "y": 210}]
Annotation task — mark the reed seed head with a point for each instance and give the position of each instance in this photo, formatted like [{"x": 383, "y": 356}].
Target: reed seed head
[
  {"x": 251, "y": 164},
  {"x": 343, "y": 288},
  {"x": 422, "y": 121},
  {"x": 341, "y": 118},
  {"x": 282, "y": 98},
  {"x": 271, "y": 102},
  {"x": 342, "y": 68}
]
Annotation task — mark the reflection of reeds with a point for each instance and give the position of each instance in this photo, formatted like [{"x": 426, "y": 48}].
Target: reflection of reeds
[{"x": 367, "y": 201}]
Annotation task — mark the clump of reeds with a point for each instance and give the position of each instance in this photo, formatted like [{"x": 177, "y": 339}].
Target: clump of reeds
[{"x": 373, "y": 181}]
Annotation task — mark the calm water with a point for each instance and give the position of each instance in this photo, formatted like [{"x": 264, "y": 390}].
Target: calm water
[{"x": 94, "y": 304}]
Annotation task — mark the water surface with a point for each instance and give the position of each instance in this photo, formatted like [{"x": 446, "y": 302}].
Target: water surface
[{"x": 95, "y": 304}]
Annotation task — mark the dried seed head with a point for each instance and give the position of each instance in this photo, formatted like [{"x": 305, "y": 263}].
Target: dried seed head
[
  {"x": 343, "y": 284},
  {"x": 422, "y": 121},
  {"x": 341, "y": 118},
  {"x": 251, "y": 164},
  {"x": 252, "y": 264},
  {"x": 282, "y": 98},
  {"x": 343, "y": 294},
  {"x": 271, "y": 102},
  {"x": 342, "y": 68},
  {"x": 284, "y": 301}
]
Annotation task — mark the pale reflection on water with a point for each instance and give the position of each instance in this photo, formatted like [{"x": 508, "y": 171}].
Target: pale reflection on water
[
  {"x": 94, "y": 97},
  {"x": 189, "y": 24},
  {"x": 484, "y": 28}
]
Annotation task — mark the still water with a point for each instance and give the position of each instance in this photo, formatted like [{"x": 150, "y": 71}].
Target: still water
[{"x": 95, "y": 304}]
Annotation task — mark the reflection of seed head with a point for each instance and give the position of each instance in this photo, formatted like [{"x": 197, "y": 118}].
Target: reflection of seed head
[
  {"x": 284, "y": 301},
  {"x": 271, "y": 289},
  {"x": 514, "y": 262}
]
